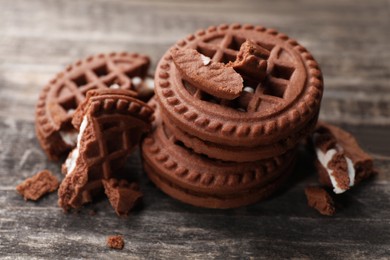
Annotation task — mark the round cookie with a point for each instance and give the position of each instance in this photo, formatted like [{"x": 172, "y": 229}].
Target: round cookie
[
  {"x": 236, "y": 153},
  {"x": 270, "y": 106},
  {"x": 62, "y": 95}
]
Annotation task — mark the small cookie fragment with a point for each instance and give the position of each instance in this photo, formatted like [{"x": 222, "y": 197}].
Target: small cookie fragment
[
  {"x": 341, "y": 163},
  {"x": 251, "y": 60},
  {"x": 320, "y": 200},
  {"x": 35, "y": 187},
  {"x": 115, "y": 242},
  {"x": 123, "y": 196},
  {"x": 212, "y": 77}
]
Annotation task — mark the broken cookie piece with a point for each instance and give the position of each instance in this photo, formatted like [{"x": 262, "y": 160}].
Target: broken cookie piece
[
  {"x": 211, "y": 77},
  {"x": 341, "y": 163},
  {"x": 123, "y": 196},
  {"x": 320, "y": 200},
  {"x": 37, "y": 186},
  {"x": 115, "y": 242},
  {"x": 251, "y": 60},
  {"x": 111, "y": 123}
]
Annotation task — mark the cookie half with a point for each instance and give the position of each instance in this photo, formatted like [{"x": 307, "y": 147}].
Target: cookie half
[{"x": 110, "y": 124}]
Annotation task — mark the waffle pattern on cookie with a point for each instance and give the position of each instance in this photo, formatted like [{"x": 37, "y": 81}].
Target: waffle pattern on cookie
[
  {"x": 115, "y": 123},
  {"x": 61, "y": 97}
]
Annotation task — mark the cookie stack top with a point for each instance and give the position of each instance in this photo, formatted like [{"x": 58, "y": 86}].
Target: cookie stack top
[{"x": 275, "y": 106}]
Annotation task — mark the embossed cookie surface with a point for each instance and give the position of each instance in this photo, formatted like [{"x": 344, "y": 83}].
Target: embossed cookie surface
[
  {"x": 287, "y": 97},
  {"x": 62, "y": 95},
  {"x": 211, "y": 77},
  {"x": 110, "y": 124}
]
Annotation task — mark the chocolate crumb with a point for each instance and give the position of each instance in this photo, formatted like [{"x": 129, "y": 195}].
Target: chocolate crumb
[
  {"x": 115, "y": 242},
  {"x": 38, "y": 185},
  {"x": 319, "y": 199}
]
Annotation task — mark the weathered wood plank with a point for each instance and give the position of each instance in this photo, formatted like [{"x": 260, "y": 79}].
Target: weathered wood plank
[{"x": 282, "y": 226}]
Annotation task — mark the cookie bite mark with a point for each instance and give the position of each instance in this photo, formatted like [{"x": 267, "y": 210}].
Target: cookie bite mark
[
  {"x": 251, "y": 60},
  {"x": 211, "y": 77},
  {"x": 320, "y": 200},
  {"x": 38, "y": 185}
]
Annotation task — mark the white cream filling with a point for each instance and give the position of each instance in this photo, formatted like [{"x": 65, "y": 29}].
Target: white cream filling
[
  {"x": 206, "y": 60},
  {"x": 115, "y": 86},
  {"x": 70, "y": 111},
  {"x": 149, "y": 83},
  {"x": 69, "y": 137},
  {"x": 351, "y": 171},
  {"x": 249, "y": 89},
  {"x": 325, "y": 158},
  {"x": 136, "y": 81},
  {"x": 70, "y": 162}
]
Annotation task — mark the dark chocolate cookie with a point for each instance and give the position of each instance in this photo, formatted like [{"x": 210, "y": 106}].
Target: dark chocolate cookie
[
  {"x": 110, "y": 124},
  {"x": 206, "y": 182},
  {"x": 62, "y": 95},
  {"x": 238, "y": 153},
  {"x": 270, "y": 106}
]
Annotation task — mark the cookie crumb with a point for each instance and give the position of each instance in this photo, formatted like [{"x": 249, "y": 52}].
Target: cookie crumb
[
  {"x": 115, "y": 242},
  {"x": 38, "y": 185},
  {"x": 319, "y": 199}
]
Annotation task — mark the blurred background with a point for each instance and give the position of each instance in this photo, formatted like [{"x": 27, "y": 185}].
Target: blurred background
[{"x": 350, "y": 40}]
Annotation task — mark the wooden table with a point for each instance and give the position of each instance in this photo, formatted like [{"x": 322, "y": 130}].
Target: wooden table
[{"x": 350, "y": 39}]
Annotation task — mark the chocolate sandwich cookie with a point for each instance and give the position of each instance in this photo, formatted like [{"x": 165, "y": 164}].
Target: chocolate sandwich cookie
[
  {"x": 123, "y": 196},
  {"x": 281, "y": 86},
  {"x": 237, "y": 153},
  {"x": 206, "y": 182},
  {"x": 62, "y": 95},
  {"x": 110, "y": 124},
  {"x": 341, "y": 163}
]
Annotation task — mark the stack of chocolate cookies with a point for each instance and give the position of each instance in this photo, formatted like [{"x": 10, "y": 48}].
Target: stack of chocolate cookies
[{"x": 231, "y": 105}]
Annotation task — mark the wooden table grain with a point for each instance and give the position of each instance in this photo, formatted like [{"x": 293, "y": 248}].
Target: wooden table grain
[{"x": 350, "y": 39}]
